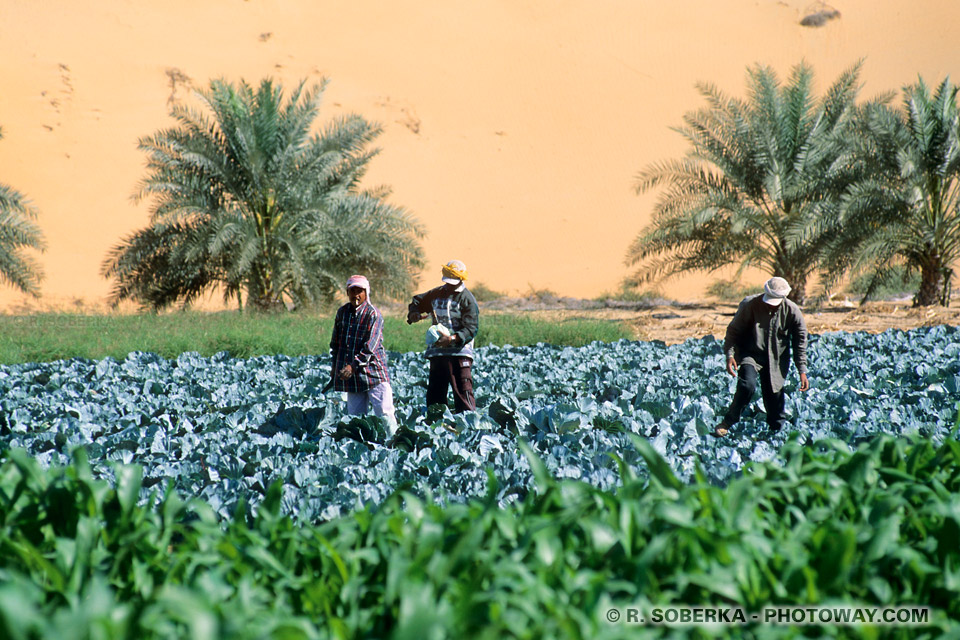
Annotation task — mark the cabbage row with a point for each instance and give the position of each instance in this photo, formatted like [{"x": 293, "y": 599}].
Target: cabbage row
[{"x": 225, "y": 429}]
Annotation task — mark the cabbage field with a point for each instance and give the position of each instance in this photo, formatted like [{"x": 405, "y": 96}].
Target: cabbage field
[
  {"x": 224, "y": 429},
  {"x": 221, "y": 497}
]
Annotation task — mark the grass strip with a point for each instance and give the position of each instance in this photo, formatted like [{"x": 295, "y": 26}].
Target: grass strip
[{"x": 56, "y": 336}]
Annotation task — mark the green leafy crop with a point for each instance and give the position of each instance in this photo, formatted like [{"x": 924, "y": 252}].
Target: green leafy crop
[{"x": 828, "y": 524}]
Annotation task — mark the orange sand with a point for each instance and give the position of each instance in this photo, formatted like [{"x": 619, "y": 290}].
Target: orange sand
[{"x": 513, "y": 127}]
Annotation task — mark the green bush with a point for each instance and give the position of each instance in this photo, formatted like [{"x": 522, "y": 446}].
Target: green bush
[
  {"x": 894, "y": 283},
  {"x": 732, "y": 290},
  {"x": 631, "y": 293},
  {"x": 483, "y": 293}
]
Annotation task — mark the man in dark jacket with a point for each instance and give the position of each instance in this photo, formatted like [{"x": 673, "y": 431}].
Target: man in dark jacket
[
  {"x": 758, "y": 345},
  {"x": 451, "y": 356}
]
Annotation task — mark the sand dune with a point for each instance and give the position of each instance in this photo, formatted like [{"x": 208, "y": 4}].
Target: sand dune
[{"x": 513, "y": 128}]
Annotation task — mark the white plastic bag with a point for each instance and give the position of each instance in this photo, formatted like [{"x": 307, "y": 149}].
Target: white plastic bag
[{"x": 434, "y": 333}]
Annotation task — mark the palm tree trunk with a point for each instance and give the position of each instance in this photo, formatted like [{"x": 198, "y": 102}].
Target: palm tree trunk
[
  {"x": 799, "y": 292},
  {"x": 931, "y": 286},
  {"x": 260, "y": 294},
  {"x": 798, "y": 286}
]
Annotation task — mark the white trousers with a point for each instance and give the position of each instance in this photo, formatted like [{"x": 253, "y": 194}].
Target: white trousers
[{"x": 380, "y": 399}]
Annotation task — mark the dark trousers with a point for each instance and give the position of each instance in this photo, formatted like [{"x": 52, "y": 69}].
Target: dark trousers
[
  {"x": 773, "y": 401},
  {"x": 449, "y": 371}
]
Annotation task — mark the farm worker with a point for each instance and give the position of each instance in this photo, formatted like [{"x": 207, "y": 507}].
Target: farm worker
[
  {"x": 359, "y": 360},
  {"x": 451, "y": 355},
  {"x": 758, "y": 344}
]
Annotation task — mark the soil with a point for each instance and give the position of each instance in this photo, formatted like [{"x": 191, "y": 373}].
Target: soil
[{"x": 674, "y": 322}]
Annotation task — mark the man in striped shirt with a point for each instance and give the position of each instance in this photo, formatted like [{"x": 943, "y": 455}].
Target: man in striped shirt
[{"x": 359, "y": 360}]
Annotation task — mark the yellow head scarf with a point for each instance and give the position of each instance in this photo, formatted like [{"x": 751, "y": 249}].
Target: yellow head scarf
[{"x": 455, "y": 270}]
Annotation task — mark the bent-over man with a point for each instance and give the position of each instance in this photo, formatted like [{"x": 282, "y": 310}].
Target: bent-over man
[
  {"x": 359, "y": 360},
  {"x": 765, "y": 330}
]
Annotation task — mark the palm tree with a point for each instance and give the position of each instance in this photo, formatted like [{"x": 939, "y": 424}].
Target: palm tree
[
  {"x": 760, "y": 184},
  {"x": 904, "y": 215},
  {"x": 247, "y": 200},
  {"x": 18, "y": 232}
]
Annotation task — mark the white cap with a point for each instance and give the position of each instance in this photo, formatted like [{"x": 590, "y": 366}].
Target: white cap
[{"x": 775, "y": 290}]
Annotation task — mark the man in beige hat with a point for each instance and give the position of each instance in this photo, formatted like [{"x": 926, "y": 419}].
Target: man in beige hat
[{"x": 758, "y": 345}]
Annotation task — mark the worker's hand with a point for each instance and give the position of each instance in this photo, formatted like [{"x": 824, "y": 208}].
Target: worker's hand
[
  {"x": 415, "y": 316},
  {"x": 346, "y": 372},
  {"x": 444, "y": 341},
  {"x": 804, "y": 383},
  {"x": 732, "y": 366}
]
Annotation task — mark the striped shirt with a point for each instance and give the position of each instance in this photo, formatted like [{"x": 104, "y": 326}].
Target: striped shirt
[{"x": 357, "y": 340}]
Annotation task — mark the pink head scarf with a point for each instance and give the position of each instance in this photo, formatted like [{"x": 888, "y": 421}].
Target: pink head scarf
[{"x": 359, "y": 281}]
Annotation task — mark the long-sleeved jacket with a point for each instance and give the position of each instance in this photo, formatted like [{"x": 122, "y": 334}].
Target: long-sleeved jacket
[
  {"x": 456, "y": 309},
  {"x": 764, "y": 336},
  {"x": 357, "y": 340}
]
